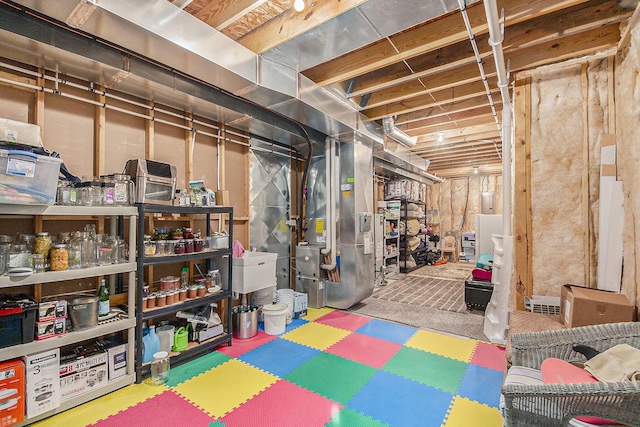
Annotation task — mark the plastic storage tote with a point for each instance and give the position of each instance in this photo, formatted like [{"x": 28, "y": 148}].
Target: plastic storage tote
[{"x": 27, "y": 178}]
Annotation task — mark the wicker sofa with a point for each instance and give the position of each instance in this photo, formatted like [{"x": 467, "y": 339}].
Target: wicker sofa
[{"x": 556, "y": 404}]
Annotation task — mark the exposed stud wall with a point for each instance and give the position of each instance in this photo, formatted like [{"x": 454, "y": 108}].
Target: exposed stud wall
[{"x": 628, "y": 136}]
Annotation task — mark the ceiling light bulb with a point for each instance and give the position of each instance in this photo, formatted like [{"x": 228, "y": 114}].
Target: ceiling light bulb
[
  {"x": 475, "y": 169},
  {"x": 440, "y": 137},
  {"x": 298, "y": 5}
]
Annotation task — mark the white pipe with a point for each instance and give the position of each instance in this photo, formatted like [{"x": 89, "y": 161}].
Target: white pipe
[
  {"x": 495, "y": 40},
  {"x": 330, "y": 206},
  {"x": 327, "y": 206},
  {"x": 334, "y": 202}
]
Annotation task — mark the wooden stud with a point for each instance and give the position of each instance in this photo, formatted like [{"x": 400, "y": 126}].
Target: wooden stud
[
  {"x": 39, "y": 104},
  {"x": 586, "y": 211},
  {"x": 189, "y": 142},
  {"x": 522, "y": 190},
  {"x": 149, "y": 135},
  {"x": 99, "y": 134}
]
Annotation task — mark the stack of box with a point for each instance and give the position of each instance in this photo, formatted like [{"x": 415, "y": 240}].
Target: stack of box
[
  {"x": 52, "y": 318},
  {"x": 43, "y": 381},
  {"x": 469, "y": 246},
  {"x": 83, "y": 370},
  {"x": 300, "y": 302},
  {"x": 11, "y": 392}
]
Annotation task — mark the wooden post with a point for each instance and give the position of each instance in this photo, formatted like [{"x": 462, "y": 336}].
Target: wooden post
[
  {"x": 99, "y": 134},
  {"x": 586, "y": 211},
  {"x": 149, "y": 135},
  {"x": 522, "y": 191}
]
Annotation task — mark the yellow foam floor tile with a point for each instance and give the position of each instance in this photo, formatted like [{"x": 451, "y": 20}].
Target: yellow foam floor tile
[
  {"x": 104, "y": 406},
  {"x": 467, "y": 413},
  {"x": 444, "y": 345},
  {"x": 316, "y": 313},
  {"x": 316, "y": 335},
  {"x": 241, "y": 382}
]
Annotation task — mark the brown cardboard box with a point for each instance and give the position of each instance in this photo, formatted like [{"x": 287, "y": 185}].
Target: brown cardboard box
[
  {"x": 222, "y": 198},
  {"x": 581, "y": 306}
]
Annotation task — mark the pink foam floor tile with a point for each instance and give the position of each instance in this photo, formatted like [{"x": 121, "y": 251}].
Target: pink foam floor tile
[
  {"x": 339, "y": 319},
  {"x": 364, "y": 349},
  {"x": 489, "y": 356},
  {"x": 166, "y": 409},
  {"x": 284, "y": 405},
  {"x": 241, "y": 346}
]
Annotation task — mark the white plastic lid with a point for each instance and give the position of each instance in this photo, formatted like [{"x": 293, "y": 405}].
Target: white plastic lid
[
  {"x": 160, "y": 355},
  {"x": 274, "y": 307}
]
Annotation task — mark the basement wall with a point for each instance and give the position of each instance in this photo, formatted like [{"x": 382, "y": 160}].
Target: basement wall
[
  {"x": 458, "y": 200},
  {"x": 627, "y": 93}
]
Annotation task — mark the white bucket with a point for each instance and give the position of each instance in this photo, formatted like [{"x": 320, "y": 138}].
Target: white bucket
[
  {"x": 285, "y": 297},
  {"x": 263, "y": 297},
  {"x": 275, "y": 318}
]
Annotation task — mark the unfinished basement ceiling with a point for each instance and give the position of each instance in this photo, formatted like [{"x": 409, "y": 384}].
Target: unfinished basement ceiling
[
  {"x": 337, "y": 65},
  {"x": 413, "y": 60}
]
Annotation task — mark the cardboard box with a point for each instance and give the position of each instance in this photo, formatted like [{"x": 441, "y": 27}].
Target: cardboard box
[
  {"x": 43, "y": 381},
  {"x": 11, "y": 392},
  {"x": 46, "y": 311},
  {"x": 581, "y": 306},
  {"x": 83, "y": 374},
  {"x": 300, "y": 302},
  {"x": 117, "y": 361}
]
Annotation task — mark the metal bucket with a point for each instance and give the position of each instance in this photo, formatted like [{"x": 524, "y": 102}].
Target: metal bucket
[
  {"x": 84, "y": 313},
  {"x": 245, "y": 323}
]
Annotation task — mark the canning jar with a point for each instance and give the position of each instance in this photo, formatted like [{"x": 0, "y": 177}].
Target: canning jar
[
  {"x": 123, "y": 193},
  {"x": 105, "y": 254},
  {"x": 198, "y": 245},
  {"x": 187, "y": 233},
  {"x": 149, "y": 246},
  {"x": 108, "y": 190},
  {"x": 188, "y": 246},
  {"x": 59, "y": 257},
  {"x": 175, "y": 233},
  {"x": 179, "y": 247},
  {"x": 160, "y": 234},
  {"x": 161, "y": 247},
  {"x": 93, "y": 193},
  {"x": 42, "y": 243}
]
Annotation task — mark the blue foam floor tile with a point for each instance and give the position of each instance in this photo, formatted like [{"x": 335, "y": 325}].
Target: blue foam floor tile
[
  {"x": 482, "y": 385},
  {"x": 400, "y": 402},
  {"x": 279, "y": 357},
  {"x": 393, "y": 332}
]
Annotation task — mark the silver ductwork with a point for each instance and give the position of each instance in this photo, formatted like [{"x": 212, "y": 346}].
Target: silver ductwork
[
  {"x": 392, "y": 131},
  {"x": 179, "y": 43}
]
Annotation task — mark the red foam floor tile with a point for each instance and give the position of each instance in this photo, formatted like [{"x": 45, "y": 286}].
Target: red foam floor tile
[
  {"x": 284, "y": 405},
  {"x": 166, "y": 409},
  {"x": 364, "y": 349},
  {"x": 241, "y": 346},
  {"x": 341, "y": 320},
  {"x": 489, "y": 356}
]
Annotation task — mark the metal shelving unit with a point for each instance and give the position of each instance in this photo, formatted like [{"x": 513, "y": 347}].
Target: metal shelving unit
[
  {"x": 71, "y": 213},
  {"x": 194, "y": 350}
]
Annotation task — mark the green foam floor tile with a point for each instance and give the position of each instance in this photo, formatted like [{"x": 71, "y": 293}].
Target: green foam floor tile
[
  {"x": 430, "y": 369},
  {"x": 332, "y": 376},
  {"x": 191, "y": 369},
  {"x": 350, "y": 418}
]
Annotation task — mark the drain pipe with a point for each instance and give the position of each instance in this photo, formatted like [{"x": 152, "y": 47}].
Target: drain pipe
[
  {"x": 496, "y": 36},
  {"x": 330, "y": 247}
]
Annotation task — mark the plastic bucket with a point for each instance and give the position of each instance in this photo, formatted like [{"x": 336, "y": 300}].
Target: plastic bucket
[
  {"x": 165, "y": 334},
  {"x": 245, "y": 324},
  {"x": 275, "y": 318},
  {"x": 285, "y": 297}
]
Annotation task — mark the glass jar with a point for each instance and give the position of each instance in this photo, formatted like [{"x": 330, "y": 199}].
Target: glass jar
[
  {"x": 59, "y": 257},
  {"x": 93, "y": 193},
  {"x": 75, "y": 251},
  {"x": 39, "y": 263},
  {"x": 149, "y": 246},
  {"x": 123, "y": 191},
  {"x": 27, "y": 239},
  {"x": 42, "y": 243},
  {"x": 151, "y": 301},
  {"x": 108, "y": 190},
  {"x": 179, "y": 247},
  {"x": 171, "y": 247},
  {"x": 188, "y": 246},
  {"x": 120, "y": 250},
  {"x": 161, "y": 247},
  {"x": 175, "y": 233},
  {"x": 146, "y": 291},
  {"x": 20, "y": 257},
  {"x": 105, "y": 255},
  {"x": 187, "y": 233},
  {"x": 161, "y": 299},
  {"x": 214, "y": 278},
  {"x": 160, "y": 368},
  {"x": 198, "y": 245}
]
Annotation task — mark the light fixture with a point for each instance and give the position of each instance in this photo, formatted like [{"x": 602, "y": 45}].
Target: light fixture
[
  {"x": 396, "y": 134},
  {"x": 475, "y": 170},
  {"x": 440, "y": 136},
  {"x": 298, "y": 5},
  {"x": 79, "y": 15}
]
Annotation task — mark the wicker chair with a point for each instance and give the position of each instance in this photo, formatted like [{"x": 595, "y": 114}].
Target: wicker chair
[{"x": 556, "y": 404}]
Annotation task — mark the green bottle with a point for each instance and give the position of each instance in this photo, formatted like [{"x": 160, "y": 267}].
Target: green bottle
[{"x": 103, "y": 298}]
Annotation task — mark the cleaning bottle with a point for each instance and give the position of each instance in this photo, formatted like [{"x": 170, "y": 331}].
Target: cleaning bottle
[{"x": 151, "y": 343}]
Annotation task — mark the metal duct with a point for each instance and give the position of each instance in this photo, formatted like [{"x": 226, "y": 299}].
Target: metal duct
[{"x": 392, "y": 131}]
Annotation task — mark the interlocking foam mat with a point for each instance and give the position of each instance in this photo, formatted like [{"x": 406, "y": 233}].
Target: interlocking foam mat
[{"x": 329, "y": 368}]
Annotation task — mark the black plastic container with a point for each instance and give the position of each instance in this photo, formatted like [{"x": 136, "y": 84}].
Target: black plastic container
[{"x": 17, "y": 319}]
